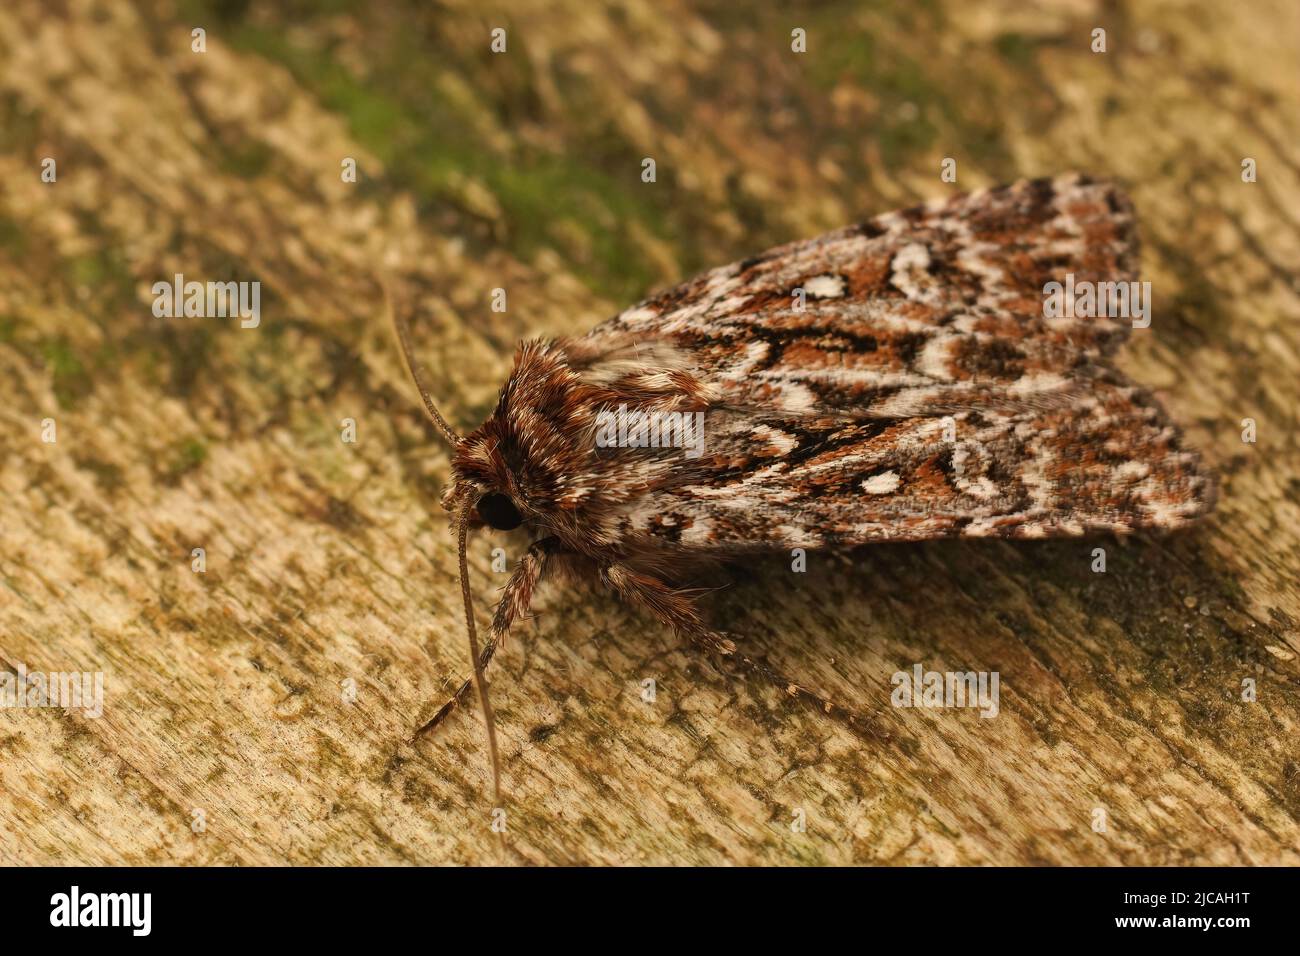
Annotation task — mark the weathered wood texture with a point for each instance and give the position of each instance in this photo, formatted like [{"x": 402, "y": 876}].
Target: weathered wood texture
[{"x": 329, "y": 561}]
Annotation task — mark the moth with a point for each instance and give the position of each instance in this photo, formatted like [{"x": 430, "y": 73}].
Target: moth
[{"x": 897, "y": 380}]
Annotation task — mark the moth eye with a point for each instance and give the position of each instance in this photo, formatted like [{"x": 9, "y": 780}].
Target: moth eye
[{"x": 499, "y": 512}]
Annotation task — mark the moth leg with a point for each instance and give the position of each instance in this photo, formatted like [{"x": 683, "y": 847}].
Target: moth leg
[
  {"x": 678, "y": 611},
  {"x": 516, "y": 599}
]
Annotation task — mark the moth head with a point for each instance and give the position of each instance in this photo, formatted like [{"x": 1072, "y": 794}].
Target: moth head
[
  {"x": 488, "y": 507},
  {"x": 483, "y": 479},
  {"x": 497, "y": 511},
  {"x": 523, "y": 464}
]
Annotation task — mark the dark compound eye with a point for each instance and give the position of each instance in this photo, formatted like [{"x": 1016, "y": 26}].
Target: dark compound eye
[{"x": 499, "y": 512}]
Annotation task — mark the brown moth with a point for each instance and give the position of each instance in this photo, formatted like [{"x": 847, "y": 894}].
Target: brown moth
[{"x": 897, "y": 380}]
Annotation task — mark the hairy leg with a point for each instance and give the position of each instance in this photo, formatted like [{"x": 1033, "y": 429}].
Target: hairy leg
[
  {"x": 515, "y": 601},
  {"x": 677, "y": 610}
]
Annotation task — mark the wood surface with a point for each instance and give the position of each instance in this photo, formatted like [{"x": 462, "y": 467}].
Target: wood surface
[{"x": 330, "y": 565}]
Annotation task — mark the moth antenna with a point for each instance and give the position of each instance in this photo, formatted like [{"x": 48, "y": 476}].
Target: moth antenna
[
  {"x": 462, "y": 517},
  {"x": 404, "y": 339}
]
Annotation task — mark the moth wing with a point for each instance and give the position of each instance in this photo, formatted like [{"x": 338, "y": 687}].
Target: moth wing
[
  {"x": 1110, "y": 461},
  {"x": 925, "y": 311},
  {"x": 899, "y": 380}
]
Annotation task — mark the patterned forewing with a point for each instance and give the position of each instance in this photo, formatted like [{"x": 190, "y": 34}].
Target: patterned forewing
[{"x": 898, "y": 380}]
